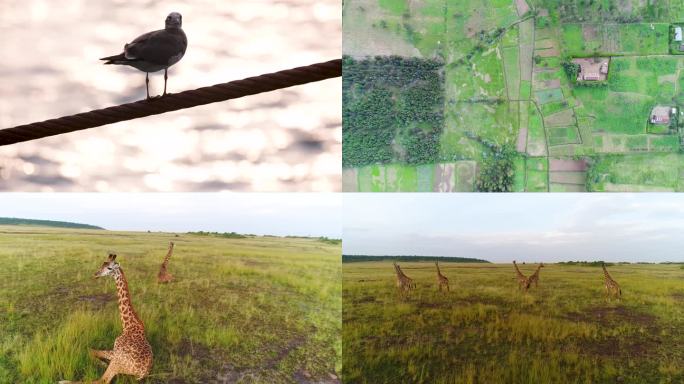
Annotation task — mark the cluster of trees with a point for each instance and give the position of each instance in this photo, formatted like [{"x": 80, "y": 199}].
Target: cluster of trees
[
  {"x": 496, "y": 169},
  {"x": 571, "y": 70},
  {"x": 446, "y": 259},
  {"x": 392, "y": 110},
  {"x": 328, "y": 240}
]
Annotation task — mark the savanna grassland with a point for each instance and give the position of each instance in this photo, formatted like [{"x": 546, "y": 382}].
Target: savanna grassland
[
  {"x": 245, "y": 310},
  {"x": 515, "y": 117},
  {"x": 486, "y": 331}
]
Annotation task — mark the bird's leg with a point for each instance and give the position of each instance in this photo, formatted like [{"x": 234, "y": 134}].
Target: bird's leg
[
  {"x": 166, "y": 76},
  {"x": 147, "y": 84}
]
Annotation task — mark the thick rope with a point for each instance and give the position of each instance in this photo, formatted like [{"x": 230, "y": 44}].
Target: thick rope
[{"x": 173, "y": 102}]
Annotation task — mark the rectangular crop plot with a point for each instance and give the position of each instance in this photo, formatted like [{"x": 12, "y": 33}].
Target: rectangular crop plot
[
  {"x": 393, "y": 111},
  {"x": 425, "y": 175},
  {"x": 563, "y": 135},
  {"x": 444, "y": 177},
  {"x": 350, "y": 180},
  {"x": 560, "y": 119},
  {"x": 536, "y": 137},
  {"x": 400, "y": 178},
  {"x": 568, "y": 177},
  {"x": 537, "y": 175},
  {"x": 549, "y": 95},
  {"x": 582, "y": 40},
  {"x": 466, "y": 172}
]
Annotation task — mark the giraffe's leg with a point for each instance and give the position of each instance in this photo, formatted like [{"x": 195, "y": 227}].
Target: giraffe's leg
[
  {"x": 447, "y": 287},
  {"x": 102, "y": 356},
  {"x": 112, "y": 370},
  {"x": 166, "y": 76}
]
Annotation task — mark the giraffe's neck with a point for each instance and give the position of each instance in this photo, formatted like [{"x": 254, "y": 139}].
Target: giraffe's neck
[
  {"x": 537, "y": 271},
  {"x": 518, "y": 270},
  {"x": 168, "y": 256},
  {"x": 129, "y": 319},
  {"x": 605, "y": 273},
  {"x": 439, "y": 273}
]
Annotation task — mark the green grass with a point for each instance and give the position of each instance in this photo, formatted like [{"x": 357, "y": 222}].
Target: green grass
[
  {"x": 659, "y": 172},
  {"x": 397, "y": 7},
  {"x": 262, "y": 309},
  {"x": 486, "y": 331}
]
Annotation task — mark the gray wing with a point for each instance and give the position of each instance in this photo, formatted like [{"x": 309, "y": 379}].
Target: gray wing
[{"x": 157, "y": 47}]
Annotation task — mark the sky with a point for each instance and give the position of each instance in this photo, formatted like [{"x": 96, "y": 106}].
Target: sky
[
  {"x": 523, "y": 227},
  {"x": 306, "y": 214}
]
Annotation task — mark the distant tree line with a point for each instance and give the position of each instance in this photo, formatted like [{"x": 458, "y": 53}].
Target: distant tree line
[
  {"x": 45, "y": 223},
  {"x": 228, "y": 235},
  {"x": 322, "y": 239},
  {"x": 392, "y": 110},
  {"x": 446, "y": 259}
]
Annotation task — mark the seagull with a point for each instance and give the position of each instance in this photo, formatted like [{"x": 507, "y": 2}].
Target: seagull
[{"x": 155, "y": 50}]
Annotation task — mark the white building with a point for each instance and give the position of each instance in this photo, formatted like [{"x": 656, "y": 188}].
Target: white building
[{"x": 678, "y": 33}]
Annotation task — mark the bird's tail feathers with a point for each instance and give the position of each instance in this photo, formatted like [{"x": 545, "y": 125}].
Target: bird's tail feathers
[{"x": 116, "y": 59}]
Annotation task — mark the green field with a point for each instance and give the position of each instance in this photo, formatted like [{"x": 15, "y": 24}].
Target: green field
[
  {"x": 584, "y": 40},
  {"x": 251, "y": 310},
  {"x": 485, "y": 331}
]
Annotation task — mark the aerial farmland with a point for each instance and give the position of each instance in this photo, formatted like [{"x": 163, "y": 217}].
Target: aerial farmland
[{"x": 513, "y": 95}]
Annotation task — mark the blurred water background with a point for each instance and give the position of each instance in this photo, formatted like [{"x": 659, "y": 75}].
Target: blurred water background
[{"x": 287, "y": 140}]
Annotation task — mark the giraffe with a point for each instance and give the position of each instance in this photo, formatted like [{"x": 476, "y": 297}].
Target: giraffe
[
  {"x": 523, "y": 281},
  {"x": 612, "y": 287},
  {"x": 534, "y": 278},
  {"x": 132, "y": 354},
  {"x": 163, "y": 276},
  {"x": 404, "y": 283},
  {"x": 442, "y": 281}
]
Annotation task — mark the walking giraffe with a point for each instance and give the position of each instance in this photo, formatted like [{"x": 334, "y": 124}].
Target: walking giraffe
[
  {"x": 523, "y": 281},
  {"x": 442, "y": 281},
  {"x": 534, "y": 278},
  {"x": 404, "y": 283},
  {"x": 612, "y": 287},
  {"x": 164, "y": 276},
  {"x": 132, "y": 354}
]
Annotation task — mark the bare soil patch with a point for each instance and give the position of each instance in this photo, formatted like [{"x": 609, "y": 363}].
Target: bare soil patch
[
  {"x": 550, "y": 52},
  {"x": 350, "y": 180},
  {"x": 568, "y": 177},
  {"x": 522, "y": 7},
  {"x": 522, "y": 140},
  {"x": 553, "y": 83},
  {"x": 568, "y": 165},
  {"x": 589, "y": 32},
  {"x": 98, "y": 300},
  {"x": 444, "y": 177},
  {"x": 606, "y": 316}
]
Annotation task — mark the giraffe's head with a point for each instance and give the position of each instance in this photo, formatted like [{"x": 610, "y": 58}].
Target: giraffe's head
[
  {"x": 108, "y": 267},
  {"x": 541, "y": 265}
]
